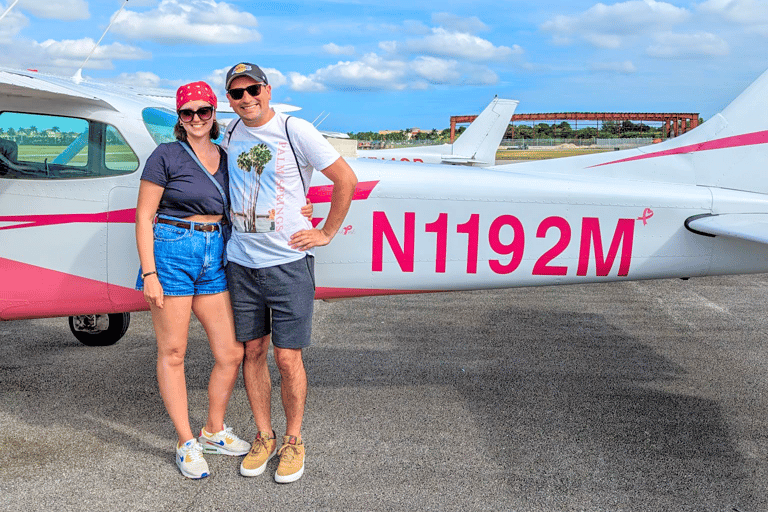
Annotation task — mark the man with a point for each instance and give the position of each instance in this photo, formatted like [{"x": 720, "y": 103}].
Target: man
[{"x": 271, "y": 266}]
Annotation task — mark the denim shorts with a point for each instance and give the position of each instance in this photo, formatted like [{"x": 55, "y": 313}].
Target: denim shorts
[
  {"x": 188, "y": 262},
  {"x": 277, "y": 300}
]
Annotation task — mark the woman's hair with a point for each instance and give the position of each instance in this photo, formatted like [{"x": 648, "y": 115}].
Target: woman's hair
[{"x": 181, "y": 134}]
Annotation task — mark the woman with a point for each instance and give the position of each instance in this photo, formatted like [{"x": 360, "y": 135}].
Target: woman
[{"x": 179, "y": 223}]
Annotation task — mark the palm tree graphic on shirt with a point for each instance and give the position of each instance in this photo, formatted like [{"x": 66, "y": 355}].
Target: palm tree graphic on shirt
[{"x": 254, "y": 161}]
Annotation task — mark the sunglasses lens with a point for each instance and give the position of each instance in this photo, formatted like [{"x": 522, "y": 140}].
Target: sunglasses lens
[
  {"x": 186, "y": 115},
  {"x": 253, "y": 90},
  {"x": 205, "y": 113}
]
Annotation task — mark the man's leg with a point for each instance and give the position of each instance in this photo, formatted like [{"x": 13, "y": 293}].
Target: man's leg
[
  {"x": 293, "y": 387},
  {"x": 258, "y": 385}
]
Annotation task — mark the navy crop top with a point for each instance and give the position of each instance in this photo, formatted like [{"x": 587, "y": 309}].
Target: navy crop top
[{"x": 187, "y": 191}]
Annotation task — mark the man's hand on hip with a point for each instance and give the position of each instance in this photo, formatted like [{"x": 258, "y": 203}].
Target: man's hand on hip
[{"x": 308, "y": 238}]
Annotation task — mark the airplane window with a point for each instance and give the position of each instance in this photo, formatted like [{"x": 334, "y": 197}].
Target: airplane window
[
  {"x": 119, "y": 155},
  {"x": 160, "y": 123},
  {"x": 35, "y": 146}
]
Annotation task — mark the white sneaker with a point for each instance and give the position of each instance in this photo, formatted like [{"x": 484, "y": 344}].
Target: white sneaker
[
  {"x": 224, "y": 442},
  {"x": 189, "y": 458}
]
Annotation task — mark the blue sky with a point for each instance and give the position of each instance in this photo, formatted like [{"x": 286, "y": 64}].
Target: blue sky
[{"x": 375, "y": 64}]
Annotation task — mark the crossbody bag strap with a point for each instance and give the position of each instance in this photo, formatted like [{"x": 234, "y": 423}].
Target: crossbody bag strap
[
  {"x": 205, "y": 171},
  {"x": 298, "y": 167},
  {"x": 230, "y": 128}
]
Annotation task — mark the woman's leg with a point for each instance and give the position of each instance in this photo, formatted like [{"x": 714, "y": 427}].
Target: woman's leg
[
  {"x": 171, "y": 329},
  {"x": 215, "y": 314}
]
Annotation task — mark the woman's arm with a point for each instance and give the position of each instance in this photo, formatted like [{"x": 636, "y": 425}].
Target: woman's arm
[{"x": 146, "y": 208}]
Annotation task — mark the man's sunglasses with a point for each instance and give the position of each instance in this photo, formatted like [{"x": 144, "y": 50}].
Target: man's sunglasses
[
  {"x": 187, "y": 115},
  {"x": 253, "y": 90}
]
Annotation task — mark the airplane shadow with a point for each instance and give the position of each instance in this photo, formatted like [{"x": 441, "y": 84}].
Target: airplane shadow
[{"x": 566, "y": 408}]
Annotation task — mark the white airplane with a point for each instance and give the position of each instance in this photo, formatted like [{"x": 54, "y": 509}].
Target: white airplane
[
  {"x": 476, "y": 146},
  {"x": 695, "y": 205}
]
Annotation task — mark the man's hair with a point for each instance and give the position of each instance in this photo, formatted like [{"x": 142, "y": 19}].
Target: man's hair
[{"x": 181, "y": 134}]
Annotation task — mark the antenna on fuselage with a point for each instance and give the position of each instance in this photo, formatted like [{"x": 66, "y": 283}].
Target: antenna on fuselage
[
  {"x": 78, "y": 76},
  {"x": 8, "y": 9}
]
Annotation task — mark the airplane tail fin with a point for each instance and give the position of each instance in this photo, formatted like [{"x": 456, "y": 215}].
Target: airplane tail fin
[
  {"x": 480, "y": 140},
  {"x": 728, "y": 151},
  {"x": 732, "y": 149}
]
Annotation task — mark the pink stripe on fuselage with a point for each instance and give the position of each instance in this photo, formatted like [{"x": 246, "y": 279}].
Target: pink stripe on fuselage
[
  {"x": 322, "y": 194},
  {"x": 29, "y": 221},
  {"x": 747, "y": 139}
]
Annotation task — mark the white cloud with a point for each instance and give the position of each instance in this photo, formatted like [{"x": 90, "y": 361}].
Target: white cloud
[
  {"x": 370, "y": 73},
  {"x": 688, "y": 46},
  {"x": 334, "y": 49},
  {"x": 11, "y": 25},
  {"x": 388, "y": 46},
  {"x": 739, "y": 11},
  {"x": 442, "y": 42},
  {"x": 605, "y": 26},
  {"x": 189, "y": 21},
  {"x": 458, "y": 24},
  {"x": 275, "y": 77},
  {"x": 435, "y": 70},
  {"x": 441, "y": 71},
  {"x": 609, "y": 41},
  {"x": 72, "y": 53},
  {"x": 753, "y": 14},
  {"x": 145, "y": 79},
  {"x": 304, "y": 84},
  {"x": 625, "y": 68},
  {"x": 66, "y": 10}
]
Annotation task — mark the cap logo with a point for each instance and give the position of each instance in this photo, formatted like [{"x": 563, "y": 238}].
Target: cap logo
[{"x": 241, "y": 68}]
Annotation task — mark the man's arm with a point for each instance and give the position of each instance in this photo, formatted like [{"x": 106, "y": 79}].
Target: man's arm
[{"x": 344, "y": 183}]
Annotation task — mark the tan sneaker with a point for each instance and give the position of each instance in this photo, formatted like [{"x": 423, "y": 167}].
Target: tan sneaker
[
  {"x": 262, "y": 449},
  {"x": 291, "y": 465}
]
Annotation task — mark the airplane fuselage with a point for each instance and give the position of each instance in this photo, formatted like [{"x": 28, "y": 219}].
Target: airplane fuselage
[{"x": 67, "y": 233}]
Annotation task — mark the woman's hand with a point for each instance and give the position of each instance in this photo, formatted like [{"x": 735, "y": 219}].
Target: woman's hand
[
  {"x": 153, "y": 291},
  {"x": 307, "y": 209}
]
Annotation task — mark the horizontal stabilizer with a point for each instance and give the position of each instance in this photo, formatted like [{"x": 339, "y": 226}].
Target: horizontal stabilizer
[
  {"x": 746, "y": 226},
  {"x": 458, "y": 159}
]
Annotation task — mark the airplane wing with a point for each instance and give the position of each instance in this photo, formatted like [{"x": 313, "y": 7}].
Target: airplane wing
[
  {"x": 25, "y": 85},
  {"x": 746, "y": 226},
  {"x": 334, "y": 135}
]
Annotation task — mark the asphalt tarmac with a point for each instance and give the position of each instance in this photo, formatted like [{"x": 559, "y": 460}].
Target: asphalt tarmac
[{"x": 638, "y": 396}]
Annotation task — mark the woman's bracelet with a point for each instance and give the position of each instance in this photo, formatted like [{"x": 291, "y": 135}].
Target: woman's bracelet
[{"x": 148, "y": 274}]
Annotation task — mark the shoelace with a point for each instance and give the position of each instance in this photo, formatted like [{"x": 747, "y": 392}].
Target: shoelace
[
  {"x": 228, "y": 434},
  {"x": 262, "y": 442},
  {"x": 195, "y": 452},
  {"x": 289, "y": 455}
]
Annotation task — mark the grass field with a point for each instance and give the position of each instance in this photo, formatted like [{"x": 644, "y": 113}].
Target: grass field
[
  {"x": 115, "y": 153},
  {"x": 544, "y": 154}
]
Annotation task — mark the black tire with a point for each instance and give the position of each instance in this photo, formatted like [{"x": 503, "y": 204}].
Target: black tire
[{"x": 118, "y": 324}]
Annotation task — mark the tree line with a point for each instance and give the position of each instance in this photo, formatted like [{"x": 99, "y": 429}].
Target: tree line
[{"x": 563, "y": 130}]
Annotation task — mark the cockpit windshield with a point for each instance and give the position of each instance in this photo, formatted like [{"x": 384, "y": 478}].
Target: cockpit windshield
[{"x": 36, "y": 146}]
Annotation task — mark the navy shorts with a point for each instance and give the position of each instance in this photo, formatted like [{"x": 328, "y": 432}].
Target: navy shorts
[
  {"x": 277, "y": 300},
  {"x": 188, "y": 262}
]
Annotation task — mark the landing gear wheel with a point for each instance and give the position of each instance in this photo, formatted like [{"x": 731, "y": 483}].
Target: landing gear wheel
[{"x": 99, "y": 330}]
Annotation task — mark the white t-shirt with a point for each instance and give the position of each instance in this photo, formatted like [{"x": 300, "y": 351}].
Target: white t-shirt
[{"x": 266, "y": 187}]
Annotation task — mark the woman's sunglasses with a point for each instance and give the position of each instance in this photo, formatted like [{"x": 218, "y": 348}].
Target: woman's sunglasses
[
  {"x": 187, "y": 115},
  {"x": 253, "y": 90}
]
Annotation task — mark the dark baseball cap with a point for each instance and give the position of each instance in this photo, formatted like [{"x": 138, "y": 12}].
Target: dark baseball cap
[{"x": 246, "y": 69}]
